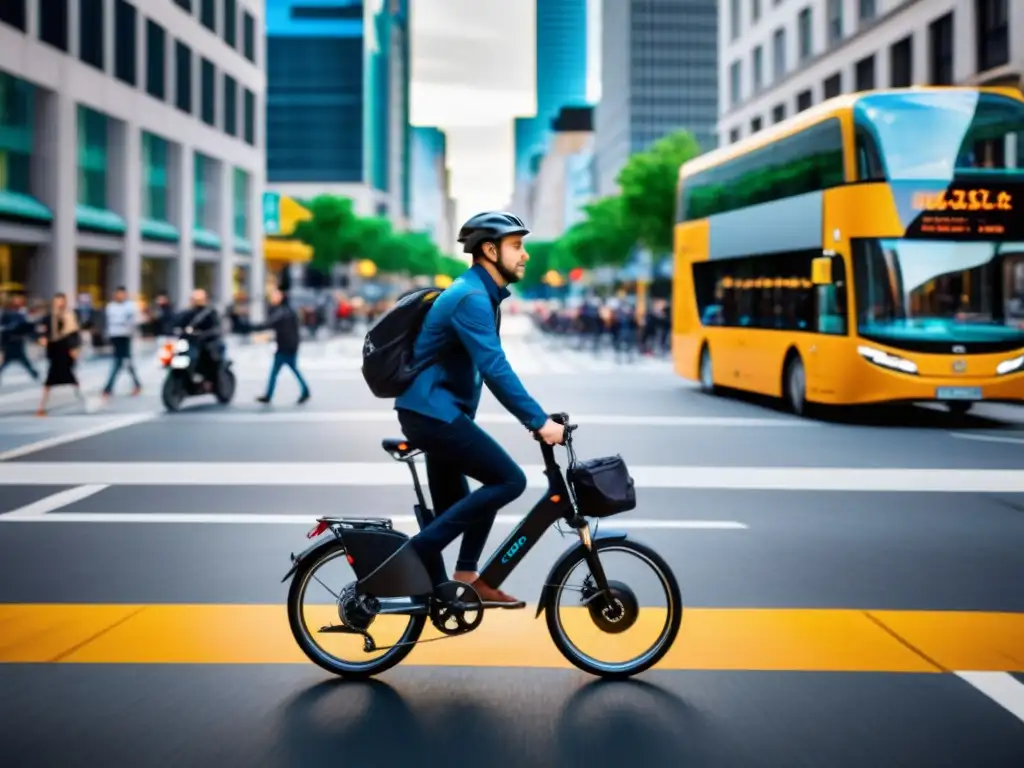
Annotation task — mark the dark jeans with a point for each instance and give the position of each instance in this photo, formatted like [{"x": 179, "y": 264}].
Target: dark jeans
[
  {"x": 16, "y": 354},
  {"x": 122, "y": 355},
  {"x": 281, "y": 360},
  {"x": 455, "y": 451}
]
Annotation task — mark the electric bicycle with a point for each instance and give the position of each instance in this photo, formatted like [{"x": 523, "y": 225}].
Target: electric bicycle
[{"x": 391, "y": 580}]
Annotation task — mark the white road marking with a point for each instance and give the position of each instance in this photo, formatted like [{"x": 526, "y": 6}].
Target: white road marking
[
  {"x": 309, "y": 519},
  {"x": 1001, "y": 687},
  {"x": 40, "y": 509},
  {"x": 585, "y": 420},
  {"x": 73, "y": 437},
  {"x": 988, "y": 438},
  {"x": 395, "y": 474}
]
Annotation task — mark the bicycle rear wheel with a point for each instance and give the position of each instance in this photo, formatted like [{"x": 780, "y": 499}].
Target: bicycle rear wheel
[{"x": 610, "y": 619}]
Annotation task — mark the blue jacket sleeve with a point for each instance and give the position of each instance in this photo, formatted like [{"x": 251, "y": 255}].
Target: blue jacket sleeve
[{"x": 473, "y": 321}]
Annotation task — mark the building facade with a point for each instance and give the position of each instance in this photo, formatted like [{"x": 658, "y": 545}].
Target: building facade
[
  {"x": 338, "y": 102},
  {"x": 561, "y": 75},
  {"x": 780, "y": 58},
  {"x": 572, "y": 136},
  {"x": 659, "y": 68},
  {"x": 432, "y": 206},
  {"x": 131, "y": 147}
]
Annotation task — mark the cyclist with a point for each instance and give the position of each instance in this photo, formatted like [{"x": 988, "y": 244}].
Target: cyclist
[{"x": 438, "y": 409}]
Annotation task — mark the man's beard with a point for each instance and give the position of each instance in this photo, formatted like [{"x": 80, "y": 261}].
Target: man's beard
[{"x": 510, "y": 276}]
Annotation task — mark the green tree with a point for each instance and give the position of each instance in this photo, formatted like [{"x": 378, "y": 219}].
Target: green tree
[
  {"x": 327, "y": 232},
  {"x": 649, "y": 181},
  {"x": 451, "y": 267},
  {"x": 603, "y": 238}
]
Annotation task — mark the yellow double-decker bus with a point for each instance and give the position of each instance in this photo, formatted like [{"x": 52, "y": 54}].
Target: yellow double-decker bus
[{"x": 867, "y": 250}]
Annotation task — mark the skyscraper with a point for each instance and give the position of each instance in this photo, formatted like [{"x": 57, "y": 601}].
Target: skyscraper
[
  {"x": 659, "y": 67},
  {"x": 338, "y": 101},
  {"x": 561, "y": 74},
  {"x": 431, "y": 205}
]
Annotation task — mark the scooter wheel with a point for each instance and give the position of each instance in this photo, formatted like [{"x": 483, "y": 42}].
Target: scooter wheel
[{"x": 172, "y": 395}]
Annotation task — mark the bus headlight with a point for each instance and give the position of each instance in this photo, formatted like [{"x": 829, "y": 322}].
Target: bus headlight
[
  {"x": 885, "y": 360},
  {"x": 1010, "y": 366}
]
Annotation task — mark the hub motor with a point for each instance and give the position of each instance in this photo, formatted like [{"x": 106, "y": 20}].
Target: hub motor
[{"x": 357, "y": 611}]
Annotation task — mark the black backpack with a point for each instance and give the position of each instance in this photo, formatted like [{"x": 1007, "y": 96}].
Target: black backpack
[{"x": 388, "y": 347}]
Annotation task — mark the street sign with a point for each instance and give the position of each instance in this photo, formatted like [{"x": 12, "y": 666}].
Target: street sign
[{"x": 271, "y": 213}]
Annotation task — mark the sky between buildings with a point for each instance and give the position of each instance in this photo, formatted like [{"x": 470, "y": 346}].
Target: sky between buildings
[{"x": 473, "y": 70}]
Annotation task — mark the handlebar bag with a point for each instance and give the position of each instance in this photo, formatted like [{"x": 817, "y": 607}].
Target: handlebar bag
[{"x": 603, "y": 487}]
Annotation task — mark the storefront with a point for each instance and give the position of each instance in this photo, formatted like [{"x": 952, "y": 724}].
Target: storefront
[
  {"x": 204, "y": 275},
  {"x": 157, "y": 277},
  {"x": 93, "y": 271}
]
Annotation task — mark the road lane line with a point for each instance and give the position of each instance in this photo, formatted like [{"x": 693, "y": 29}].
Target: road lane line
[
  {"x": 38, "y": 510},
  {"x": 305, "y": 519},
  {"x": 1002, "y": 688},
  {"x": 988, "y": 438},
  {"x": 102, "y": 427},
  {"x": 584, "y": 420},
  {"x": 710, "y": 638},
  {"x": 370, "y": 474}
]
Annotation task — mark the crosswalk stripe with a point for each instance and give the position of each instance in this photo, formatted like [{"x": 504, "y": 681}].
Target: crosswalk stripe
[{"x": 394, "y": 474}]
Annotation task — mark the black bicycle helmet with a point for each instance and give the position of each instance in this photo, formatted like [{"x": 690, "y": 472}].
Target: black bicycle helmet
[{"x": 490, "y": 227}]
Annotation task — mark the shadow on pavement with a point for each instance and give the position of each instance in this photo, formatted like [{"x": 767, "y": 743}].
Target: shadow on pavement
[{"x": 899, "y": 416}]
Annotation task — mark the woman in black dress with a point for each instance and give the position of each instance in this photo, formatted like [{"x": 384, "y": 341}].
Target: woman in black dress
[{"x": 60, "y": 335}]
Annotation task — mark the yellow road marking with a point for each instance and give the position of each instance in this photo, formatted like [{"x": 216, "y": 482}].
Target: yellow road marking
[{"x": 710, "y": 638}]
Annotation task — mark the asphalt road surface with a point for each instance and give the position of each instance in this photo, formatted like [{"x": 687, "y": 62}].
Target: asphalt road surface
[{"x": 854, "y": 589}]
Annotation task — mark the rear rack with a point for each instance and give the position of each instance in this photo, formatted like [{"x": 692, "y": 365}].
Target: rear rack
[{"x": 359, "y": 523}]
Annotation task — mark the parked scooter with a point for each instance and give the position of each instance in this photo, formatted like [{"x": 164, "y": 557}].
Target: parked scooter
[{"x": 191, "y": 371}]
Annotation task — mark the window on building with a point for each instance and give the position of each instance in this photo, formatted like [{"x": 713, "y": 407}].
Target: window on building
[
  {"x": 208, "y": 14},
  {"x": 249, "y": 36},
  {"x": 755, "y": 11},
  {"x": 833, "y": 86},
  {"x": 183, "y": 77},
  {"x": 993, "y": 27},
  {"x": 249, "y": 115},
  {"x": 940, "y": 50},
  {"x": 17, "y": 133},
  {"x": 734, "y": 83},
  {"x": 208, "y": 97},
  {"x": 90, "y": 32},
  {"x": 155, "y": 161},
  {"x": 156, "y": 60},
  {"x": 804, "y": 100},
  {"x": 92, "y": 158},
  {"x": 241, "y": 204},
  {"x": 230, "y": 22},
  {"x": 53, "y": 23},
  {"x": 756, "y": 124},
  {"x": 14, "y": 13},
  {"x": 202, "y": 169},
  {"x": 230, "y": 106},
  {"x": 758, "y": 68},
  {"x": 864, "y": 74},
  {"x": 125, "y": 33},
  {"x": 185, "y": 5},
  {"x": 833, "y": 22},
  {"x": 778, "y": 113},
  {"x": 805, "y": 34},
  {"x": 866, "y": 10},
  {"x": 779, "y": 53},
  {"x": 734, "y": 19},
  {"x": 901, "y": 63},
  {"x": 734, "y": 135}
]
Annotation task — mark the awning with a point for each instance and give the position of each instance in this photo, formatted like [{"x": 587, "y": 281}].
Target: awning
[{"x": 286, "y": 251}]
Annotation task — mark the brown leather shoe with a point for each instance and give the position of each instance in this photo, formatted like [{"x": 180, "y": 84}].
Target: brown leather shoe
[{"x": 495, "y": 598}]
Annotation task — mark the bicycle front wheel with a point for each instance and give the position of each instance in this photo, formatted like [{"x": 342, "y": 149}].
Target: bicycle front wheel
[{"x": 629, "y": 634}]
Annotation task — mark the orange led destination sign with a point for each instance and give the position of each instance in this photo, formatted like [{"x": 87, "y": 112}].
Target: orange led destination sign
[{"x": 963, "y": 200}]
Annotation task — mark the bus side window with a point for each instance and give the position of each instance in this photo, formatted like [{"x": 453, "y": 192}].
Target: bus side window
[{"x": 831, "y": 301}]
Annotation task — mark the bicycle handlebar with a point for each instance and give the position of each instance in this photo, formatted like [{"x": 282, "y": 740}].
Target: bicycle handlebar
[{"x": 568, "y": 428}]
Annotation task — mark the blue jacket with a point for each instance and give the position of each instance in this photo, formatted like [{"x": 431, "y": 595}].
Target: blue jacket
[{"x": 461, "y": 326}]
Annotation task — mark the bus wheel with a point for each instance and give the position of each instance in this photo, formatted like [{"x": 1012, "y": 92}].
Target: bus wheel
[
  {"x": 707, "y": 377},
  {"x": 796, "y": 386}
]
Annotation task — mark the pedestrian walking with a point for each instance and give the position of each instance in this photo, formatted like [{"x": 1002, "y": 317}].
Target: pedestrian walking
[
  {"x": 122, "y": 316},
  {"x": 62, "y": 338},
  {"x": 285, "y": 324}
]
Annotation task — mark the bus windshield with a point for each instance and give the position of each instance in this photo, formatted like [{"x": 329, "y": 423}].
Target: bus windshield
[
  {"x": 926, "y": 295},
  {"x": 934, "y": 135}
]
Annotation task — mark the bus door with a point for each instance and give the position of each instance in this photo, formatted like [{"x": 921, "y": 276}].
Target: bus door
[{"x": 828, "y": 276}]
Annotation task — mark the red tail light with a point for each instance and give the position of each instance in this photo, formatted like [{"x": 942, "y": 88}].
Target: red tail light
[{"x": 320, "y": 528}]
